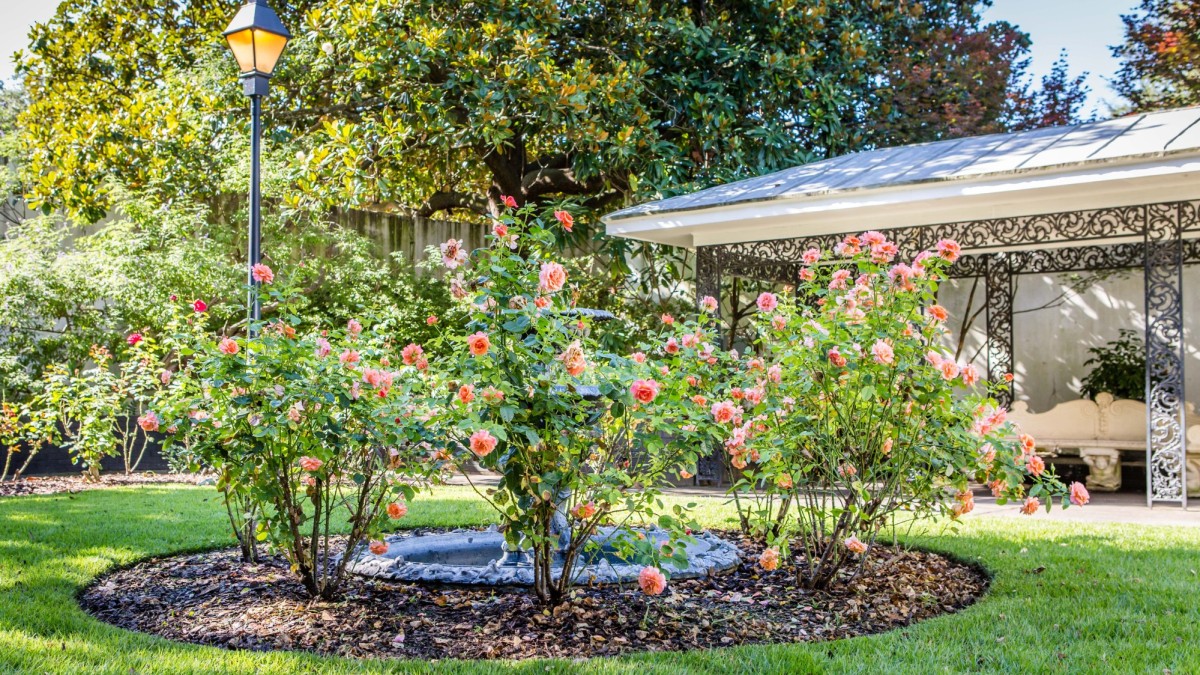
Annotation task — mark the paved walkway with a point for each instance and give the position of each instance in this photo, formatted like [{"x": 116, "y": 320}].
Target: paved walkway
[{"x": 1122, "y": 507}]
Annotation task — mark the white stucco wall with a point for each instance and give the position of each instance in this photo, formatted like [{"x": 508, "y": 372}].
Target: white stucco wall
[{"x": 1051, "y": 344}]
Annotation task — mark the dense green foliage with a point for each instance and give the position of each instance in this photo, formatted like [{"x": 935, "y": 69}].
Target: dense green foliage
[
  {"x": 439, "y": 107},
  {"x": 1118, "y": 368},
  {"x": 67, "y": 288},
  {"x": 1123, "y": 597}
]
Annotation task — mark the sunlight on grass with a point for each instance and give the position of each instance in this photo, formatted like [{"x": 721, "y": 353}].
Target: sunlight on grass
[{"x": 1066, "y": 597}]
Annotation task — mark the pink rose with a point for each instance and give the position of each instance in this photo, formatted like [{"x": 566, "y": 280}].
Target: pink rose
[
  {"x": 453, "y": 253},
  {"x": 311, "y": 464},
  {"x": 724, "y": 411},
  {"x": 466, "y": 393},
  {"x": 969, "y": 374},
  {"x": 148, "y": 422},
  {"x": 949, "y": 249},
  {"x": 228, "y": 346},
  {"x": 411, "y": 353},
  {"x": 199, "y": 306},
  {"x": 134, "y": 339},
  {"x": 672, "y": 346},
  {"x": 838, "y": 281},
  {"x": 708, "y": 303},
  {"x": 767, "y": 302},
  {"x": 431, "y": 320},
  {"x": 262, "y": 274},
  {"x": 508, "y": 201},
  {"x": 667, "y": 319},
  {"x": 323, "y": 348},
  {"x": 811, "y": 256},
  {"x": 638, "y": 357},
  {"x": 565, "y": 219},
  {"x": 552, "y": 277},
  {"x": 354, "y": 327},
  {"x": 482, "y": 443},
  {"x": 349, "y": 357},
  {"x": 883, "y": 352},
  {"x": 652, "y": 581}
]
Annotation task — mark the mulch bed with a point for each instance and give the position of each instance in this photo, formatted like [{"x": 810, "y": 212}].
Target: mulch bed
[
  {"x": 213, "y": 598},
  {"x": 49, "y": 485}
]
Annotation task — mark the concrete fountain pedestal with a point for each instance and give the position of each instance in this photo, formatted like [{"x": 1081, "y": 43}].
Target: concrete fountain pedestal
[{"x": 475, "y": 558}]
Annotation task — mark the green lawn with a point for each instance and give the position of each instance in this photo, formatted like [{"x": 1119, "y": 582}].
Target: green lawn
[{"x": 1111, "y": 598}]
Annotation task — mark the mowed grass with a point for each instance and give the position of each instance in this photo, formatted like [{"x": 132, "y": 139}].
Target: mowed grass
[{"x": 1066, "y": 597}]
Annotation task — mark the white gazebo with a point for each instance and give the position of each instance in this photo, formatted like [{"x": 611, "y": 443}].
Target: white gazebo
[{"x": 1116, "y": 194}]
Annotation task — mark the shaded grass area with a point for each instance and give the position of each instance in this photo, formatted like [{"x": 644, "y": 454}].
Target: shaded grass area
[{"x": 1066, "y": 597}]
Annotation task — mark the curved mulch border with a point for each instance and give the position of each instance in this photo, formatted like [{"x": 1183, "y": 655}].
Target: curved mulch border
[
  {"x": 51, "y": 485},
  {"x": 212, "y": 598}
]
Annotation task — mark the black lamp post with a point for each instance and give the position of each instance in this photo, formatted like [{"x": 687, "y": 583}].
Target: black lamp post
[{"x": 257, "y": 38}]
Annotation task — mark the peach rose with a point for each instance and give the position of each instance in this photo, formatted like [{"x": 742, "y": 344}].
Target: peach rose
[
  {"x": 652, "y": 581},
  {"x": 1079, "y": 494},
  {"x": 262, "y": 274},
  {"x": 483, "y": 443},
  {"x": 478, "y": 343},
  {"x": 769, "y": 559},
  {"x": 644, "y": 391},
  {"x": 228, "y": 346},
  {"x": 397, "y": 510},
  {"x": 552, "y": 277},
  {"x": 855, "y": 546},
  {"x": 565, "y": 219},
  {"x": 378, "y": 547}
]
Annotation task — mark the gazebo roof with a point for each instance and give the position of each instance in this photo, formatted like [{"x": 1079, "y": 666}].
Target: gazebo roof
[{"x": 1137, "y": 159}]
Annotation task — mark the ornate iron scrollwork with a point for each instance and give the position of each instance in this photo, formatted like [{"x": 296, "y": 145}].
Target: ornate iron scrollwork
[
  {"x": 1169, "y": 237},
  {"x": 1166, "y": 444},
  {"x": 999, "y": 278}
]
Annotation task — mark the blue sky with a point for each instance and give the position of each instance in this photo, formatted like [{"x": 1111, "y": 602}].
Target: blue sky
[{"x": 1084, "y": 27}]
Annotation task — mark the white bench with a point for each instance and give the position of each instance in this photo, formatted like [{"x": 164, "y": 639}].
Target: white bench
[{"x": 1099, "y": 432}]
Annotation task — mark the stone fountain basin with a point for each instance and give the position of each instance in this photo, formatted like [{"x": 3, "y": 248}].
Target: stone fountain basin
[{"x": 472, "y": 558}]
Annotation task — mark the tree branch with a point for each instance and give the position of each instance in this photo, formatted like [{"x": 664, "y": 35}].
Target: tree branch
[{"x": 448, "y": 200}]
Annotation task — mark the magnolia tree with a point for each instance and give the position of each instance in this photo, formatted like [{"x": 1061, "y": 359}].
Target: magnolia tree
[
  {"x": 848, "y": 410},
  {"x": 310, "y": 427},
  {"x": 579, "y": 434}
]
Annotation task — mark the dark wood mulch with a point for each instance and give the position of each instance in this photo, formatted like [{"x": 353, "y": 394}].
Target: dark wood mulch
[
  {"x": 49, "y": 485},
  {"x": 213, "y": 598}
]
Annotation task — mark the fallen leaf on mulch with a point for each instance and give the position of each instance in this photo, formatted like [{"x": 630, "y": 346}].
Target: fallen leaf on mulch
[{"x": 213, "y": 598}]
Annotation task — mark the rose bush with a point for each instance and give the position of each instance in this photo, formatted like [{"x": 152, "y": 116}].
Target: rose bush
[
  {"x": 848, "y": 411},
  {"x": 578, "y": 433},
  {"x": 306, "y": 428}
]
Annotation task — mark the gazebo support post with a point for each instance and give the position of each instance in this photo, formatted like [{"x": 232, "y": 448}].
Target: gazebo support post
[
  {"x": 999, "y": 284},
  {"x": 708, "y": 274},
  {"x": 1166, "y": 440}
]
